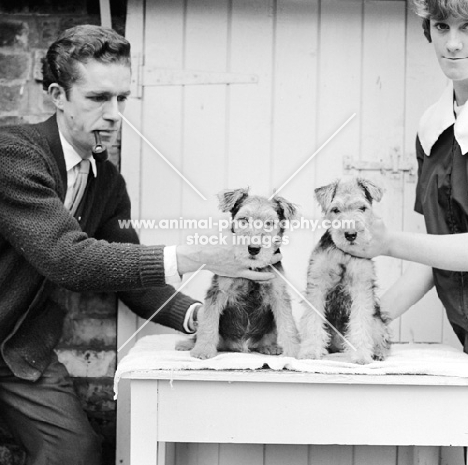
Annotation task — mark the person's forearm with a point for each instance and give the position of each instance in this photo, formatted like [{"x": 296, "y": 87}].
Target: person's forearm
[
  {"x": 411, "y": 287},
  {"x": 447, "y": 252}
]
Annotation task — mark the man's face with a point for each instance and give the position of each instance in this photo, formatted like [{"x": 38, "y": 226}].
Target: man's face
[
  {"x": 94, "y": 103},
  {"x": 450, "y": 39}
]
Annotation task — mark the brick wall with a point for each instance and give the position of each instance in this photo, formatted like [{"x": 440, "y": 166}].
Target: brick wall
[{"x": 88, "y": 346}]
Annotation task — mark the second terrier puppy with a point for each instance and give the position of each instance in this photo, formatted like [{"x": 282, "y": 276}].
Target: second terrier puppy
[
  {"x": 241, "y": 315},
  {"x": 341, "y": 287}
]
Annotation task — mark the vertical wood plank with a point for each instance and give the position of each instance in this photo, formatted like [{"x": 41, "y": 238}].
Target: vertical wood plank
[
  {"x": 249, "y": 113},
  {"x": 383, "y": 455},
  {"x": 383, "y": 112},
  {"x": 405, "y": 455},
  {"x": 241, "y": 454},
  {"x": 161, "y": 124},
  {"x": 130, "y": 161},
  {"x": 326, "y": 455},
  {"x": 187, "y": 454},
  {"x": 451, "y": 456},
  {"x": 204, "y": 124},
  {"x": 280, "y": 454},
  {"x": 294, "y": 103},
  {"x": 426, "y": 455}
]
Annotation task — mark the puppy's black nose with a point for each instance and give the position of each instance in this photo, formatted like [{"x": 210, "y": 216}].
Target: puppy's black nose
[
  {"x": 254, "y": 250},
  {"x": 350, "y": 236}
]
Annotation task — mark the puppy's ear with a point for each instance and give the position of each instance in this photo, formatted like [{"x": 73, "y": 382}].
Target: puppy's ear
[
  {"x": 325, "y": 195},
  {"x": 371, "y": 190},
  {"x": 286, "y": 210},
  {"x": 231, "y": 198}
]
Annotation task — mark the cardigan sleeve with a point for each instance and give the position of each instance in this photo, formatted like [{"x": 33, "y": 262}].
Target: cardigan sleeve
[{"x": 35, "y": 223}]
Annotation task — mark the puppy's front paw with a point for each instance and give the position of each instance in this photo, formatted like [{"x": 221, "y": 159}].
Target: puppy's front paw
[
  {"x": 361, "y": 357},
  {"x": 203, "y": 352},
  {"x": 291, "y": 350},
  {"x": 271, "y": 349},
  {"x": 313, "y": 353}
]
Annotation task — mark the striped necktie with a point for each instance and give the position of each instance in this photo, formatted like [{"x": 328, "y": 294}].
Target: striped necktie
[{"x": 80, "y": 184}]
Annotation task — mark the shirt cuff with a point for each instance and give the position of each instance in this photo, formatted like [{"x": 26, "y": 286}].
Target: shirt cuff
[
  {"x": 171, "y": 272},
  {"x": 188, "y": 315}
]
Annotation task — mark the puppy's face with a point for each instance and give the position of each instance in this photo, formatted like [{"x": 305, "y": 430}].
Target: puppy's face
[
  {"x": 347, "y": 204},
  {"x": 256, "y": 224}
]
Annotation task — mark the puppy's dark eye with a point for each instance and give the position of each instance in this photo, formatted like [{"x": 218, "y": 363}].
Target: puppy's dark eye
[
  {"x": 363, "y": 209},
  {"x": 335, "y": 210}
]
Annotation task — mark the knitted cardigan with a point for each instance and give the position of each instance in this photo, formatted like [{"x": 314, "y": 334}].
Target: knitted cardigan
[{"x": 44, "y": 250}]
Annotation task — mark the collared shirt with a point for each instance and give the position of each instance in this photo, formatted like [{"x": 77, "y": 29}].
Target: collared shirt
[
  {"x": 442, "y": 193},
  {"x": 440, "y": 116},
  {"x": 72, "y": 160}
]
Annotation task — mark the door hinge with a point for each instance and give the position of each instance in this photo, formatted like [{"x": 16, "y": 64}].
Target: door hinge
[{"x": 395, "y": 164}]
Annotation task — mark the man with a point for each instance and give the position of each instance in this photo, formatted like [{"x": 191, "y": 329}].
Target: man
[{"x": 56, "y": 235}]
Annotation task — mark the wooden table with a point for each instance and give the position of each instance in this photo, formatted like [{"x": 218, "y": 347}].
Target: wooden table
[{"x": 270, "y": 407}]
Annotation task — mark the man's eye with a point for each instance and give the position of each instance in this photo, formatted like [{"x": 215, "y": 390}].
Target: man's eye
[
  {"x": 98, "y": 98},
  {"x": 122, "y": 98}
]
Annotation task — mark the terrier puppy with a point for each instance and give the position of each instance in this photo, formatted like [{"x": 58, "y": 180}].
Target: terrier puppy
[
  {"x": 241, "y": 315},
  {"x": 341, "y": 287}
]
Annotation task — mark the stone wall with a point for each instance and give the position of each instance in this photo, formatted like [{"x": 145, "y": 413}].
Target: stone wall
[{"x": 88, "y": 346}]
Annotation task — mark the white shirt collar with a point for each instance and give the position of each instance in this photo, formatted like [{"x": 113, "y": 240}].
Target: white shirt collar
[
  {"x": 72, "y": 158},
  {"x": 439, "y": 117}
]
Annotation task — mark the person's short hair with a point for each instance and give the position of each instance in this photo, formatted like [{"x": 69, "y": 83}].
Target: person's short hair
[
  {"x": 439, "y": 10},
  {"x": 81, "y": 44}
]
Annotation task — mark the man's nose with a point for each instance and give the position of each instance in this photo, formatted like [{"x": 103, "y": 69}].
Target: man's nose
[{"x": 110, "y": 110}]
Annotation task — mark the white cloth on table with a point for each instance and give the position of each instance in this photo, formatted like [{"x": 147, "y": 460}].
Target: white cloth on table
[{"x": 158, "y": 353}]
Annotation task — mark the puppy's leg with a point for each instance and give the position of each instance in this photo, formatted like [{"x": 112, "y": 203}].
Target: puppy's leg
[
  {"x": 361, "y": 319},
  {"x": 323, "y": 274},
  {"x": 208, "y": 328},
  {"x": 280, "y": 304},
  {"x": 381, "y": 333}
]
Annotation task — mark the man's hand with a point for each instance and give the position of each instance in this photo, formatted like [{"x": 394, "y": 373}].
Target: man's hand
[
  {"x": 219, "y": 259},
  {"x": 379, "y": 243}
]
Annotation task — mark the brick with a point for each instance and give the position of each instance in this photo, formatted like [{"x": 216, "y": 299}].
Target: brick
[
  {"x": 89, "y": 363},
  {"x": 89, "y": 304},
  {"x": 97, "y": 396},
  {"x": 14, "y": 66},
  {"x": 90, "y": 333},
  {"x": 10, "y": 121},
  {"x": 10, "y": 98},
  {"x": 13, "y": 33}
]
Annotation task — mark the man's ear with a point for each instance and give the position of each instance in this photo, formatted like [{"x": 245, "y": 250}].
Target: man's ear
[{"x": 57, "y": 95}]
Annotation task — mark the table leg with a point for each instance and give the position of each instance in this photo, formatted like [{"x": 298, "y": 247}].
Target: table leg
[{"x": 144, "y": 422}]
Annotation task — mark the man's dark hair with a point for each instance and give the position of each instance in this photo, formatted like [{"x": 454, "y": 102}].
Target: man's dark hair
[
  {"x": 439, "y": 10},
  {"x": 81, "y": 44}
]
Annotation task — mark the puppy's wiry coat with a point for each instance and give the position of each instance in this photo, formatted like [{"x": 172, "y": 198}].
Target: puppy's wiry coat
[
  {"x": 239, "y": 314},
  {"x": 341, "y": 287}
]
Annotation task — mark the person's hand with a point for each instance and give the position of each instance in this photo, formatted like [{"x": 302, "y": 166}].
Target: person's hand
[
  {"x": 221, "y": 260},
  {"x": 378, "y": 244}
]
